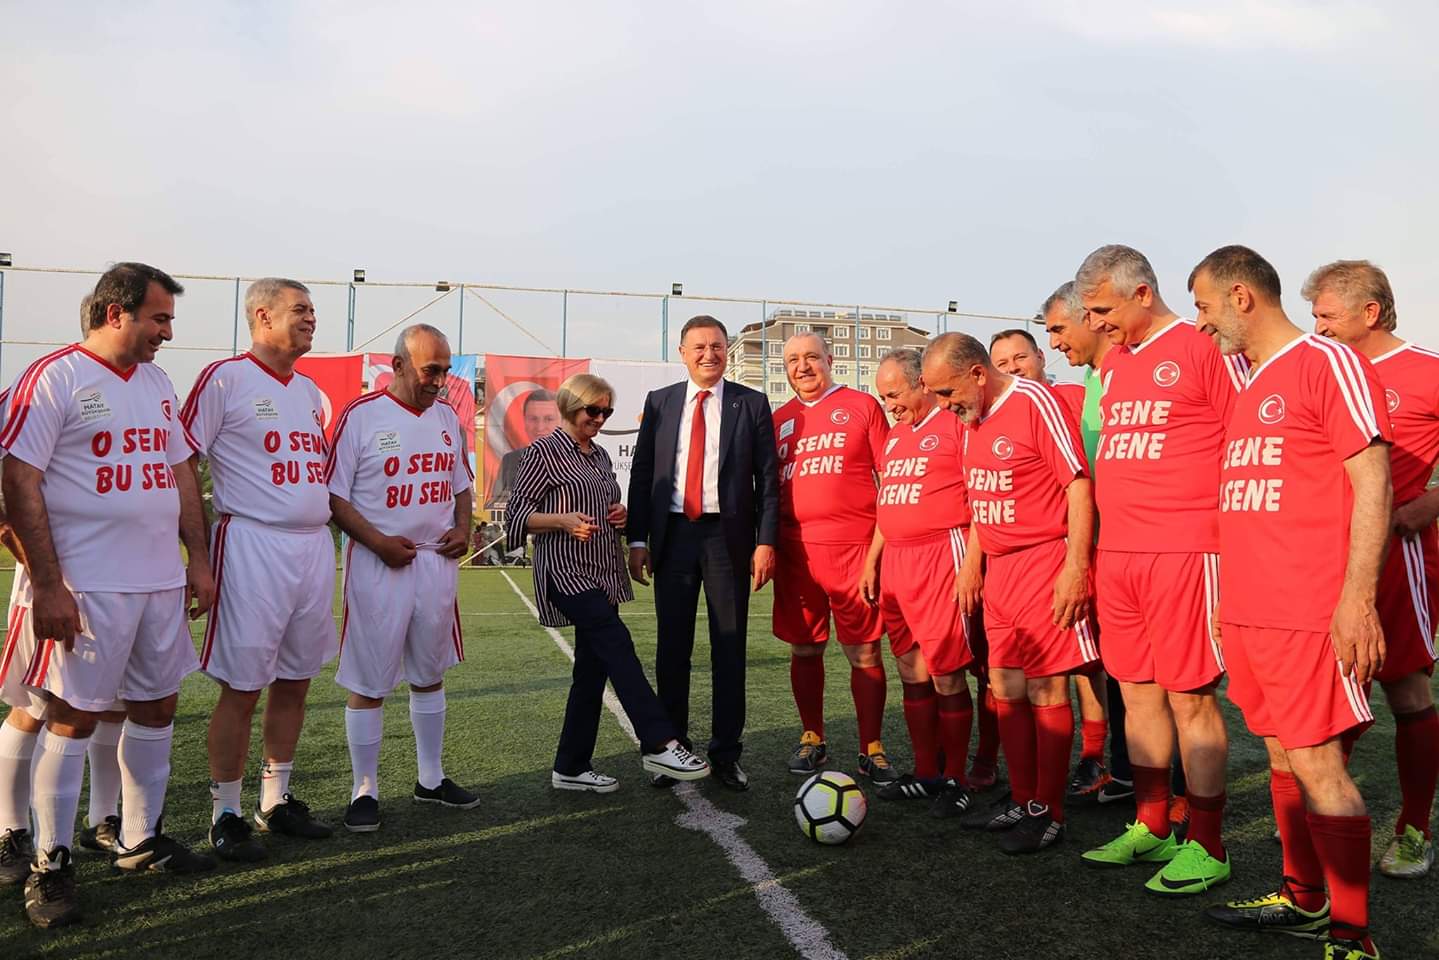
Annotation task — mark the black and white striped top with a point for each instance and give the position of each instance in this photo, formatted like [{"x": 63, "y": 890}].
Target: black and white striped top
[{"x": 556, "y": 476}]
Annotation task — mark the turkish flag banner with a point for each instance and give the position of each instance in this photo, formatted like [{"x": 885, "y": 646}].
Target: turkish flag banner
[{"x": 338, "y": 378}]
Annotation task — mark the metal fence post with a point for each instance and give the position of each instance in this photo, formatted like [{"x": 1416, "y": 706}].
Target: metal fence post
[
  {"x": 565, "y": 324},
  {"x": 461, "y": 350},
  {"x": 350, "y": 321},
  {"x": 235, "y": 322},
  {"x": 764, "y": 349},
  {"x": 857, "y": 319},
  {"x": 664, "y": 326},
  {"x": 2, "y": 317}
]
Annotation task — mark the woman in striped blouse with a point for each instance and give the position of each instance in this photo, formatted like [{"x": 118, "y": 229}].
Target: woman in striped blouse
[{"x": 565, "y": 494}]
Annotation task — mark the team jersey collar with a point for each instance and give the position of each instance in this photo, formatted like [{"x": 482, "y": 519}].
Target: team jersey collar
[
  {"x": 1396, "y": 351},
  {"x": 122, "y": 374},
  {"x": 916, "y": 427},
  {"x": 999, "y": 401},
  {"x": 822, "y": 397},
  {"x": 266, "y": 367},
  {"x": 415, "y": 410},
  {"x": 1156, "y": 334},
  {"x": 1254, "y": 374}
]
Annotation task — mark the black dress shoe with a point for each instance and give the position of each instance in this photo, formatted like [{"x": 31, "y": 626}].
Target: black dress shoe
[{"x": 729, "y": 773}]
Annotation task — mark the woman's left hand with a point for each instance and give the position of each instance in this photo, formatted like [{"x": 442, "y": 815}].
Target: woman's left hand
[{"x": 616, "y": 515}]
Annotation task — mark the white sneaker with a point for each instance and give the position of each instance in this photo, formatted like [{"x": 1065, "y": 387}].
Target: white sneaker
[
  {"x": 677, "y": 762},
  {"x": 589, "y": 780}
]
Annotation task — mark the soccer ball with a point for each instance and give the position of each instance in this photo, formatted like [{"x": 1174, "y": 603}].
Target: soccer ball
[{"x": 830, "y": 807}]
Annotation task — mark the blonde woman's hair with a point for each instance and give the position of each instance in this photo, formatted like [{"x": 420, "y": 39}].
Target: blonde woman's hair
[{"x": 580, "y": 391}]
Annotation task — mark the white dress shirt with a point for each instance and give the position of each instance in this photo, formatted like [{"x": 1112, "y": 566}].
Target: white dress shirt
[{"x": 713, "y": 406}]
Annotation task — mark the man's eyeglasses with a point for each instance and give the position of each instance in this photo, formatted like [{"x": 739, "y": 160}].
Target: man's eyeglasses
[{"x": 599, "y": 412}]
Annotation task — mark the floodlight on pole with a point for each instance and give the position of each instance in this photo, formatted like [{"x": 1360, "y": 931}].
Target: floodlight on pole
[
  {"x": 677, "y": 289},
  {"x": 443, "y": 286},
  {"x": 954, "y": 306},
  {"x": 359, "y": 276},
  {"x": 4, "y": 259}
]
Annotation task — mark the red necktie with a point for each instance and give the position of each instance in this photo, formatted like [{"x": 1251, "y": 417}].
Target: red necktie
[{"x": 695, "y": 466}]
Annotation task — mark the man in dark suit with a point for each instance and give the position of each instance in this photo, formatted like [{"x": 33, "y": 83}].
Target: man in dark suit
[{"x": 704, "y": 509}]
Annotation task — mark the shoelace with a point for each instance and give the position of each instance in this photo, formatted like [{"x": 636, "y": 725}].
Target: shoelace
[
  {"x": 683, "y": 754},
  {"x": 1262, "y": 901},
  {"x": 879, "y": 760},
  {"x": 300, "y": 807},
  {"x": 55, "y": 883},
  {"x": 10, "y": 852},
  {"x": 1411, "y": 846}
]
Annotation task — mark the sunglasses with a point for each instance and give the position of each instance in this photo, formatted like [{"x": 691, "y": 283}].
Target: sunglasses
[{"x": 598, "y": 412}]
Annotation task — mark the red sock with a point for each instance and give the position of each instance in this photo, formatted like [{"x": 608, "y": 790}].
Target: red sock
[
  {"x": 1054, "y": 741},
  {"x": 806, "y": 679},
  {"x": 867, "y": 686},
  {"x": 1303, "y": 873},
  {"x": 956, "y": 716},
  {"x": 1151, "y": 798},
  {"x": 1093, "y": 733},
  {"x": 921, "y": 715},
  {"x": 1343, "y": 846},
  {"x": 1416, "y": 747},
  {"x": 1016, "y": 731},
  {"x": 1206, "y": 817},
  {"x": 986, "y": 754}
]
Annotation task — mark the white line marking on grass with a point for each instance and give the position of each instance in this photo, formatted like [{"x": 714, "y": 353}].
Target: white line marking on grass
[{"x": 808, "y": 936}]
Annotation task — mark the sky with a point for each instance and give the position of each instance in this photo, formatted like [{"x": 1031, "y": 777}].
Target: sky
[{"x": 903, "y": 153}]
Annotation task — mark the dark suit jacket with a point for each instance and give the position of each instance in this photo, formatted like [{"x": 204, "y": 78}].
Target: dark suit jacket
[{"x": 748, "y": 471}]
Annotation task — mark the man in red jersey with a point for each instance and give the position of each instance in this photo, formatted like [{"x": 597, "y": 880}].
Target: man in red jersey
[
  {"x": 923, "y": 522},
  {"x": 1015, "y": 352},
  {"x": 1304, "y": 517},
  {"x": 829, "y": 439},
  {"x": 1033, "y": 520},
  {"x": 1354, "y": 304},
  {"x": 1168, "y": 394}
]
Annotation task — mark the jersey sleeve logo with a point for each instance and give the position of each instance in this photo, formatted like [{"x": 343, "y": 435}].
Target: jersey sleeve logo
[
  {"x": 1271, "y": 409},
  {"x": 786, "y": 428},
  {"x": 265, "y": 409},
  {"x": 1391, "y": 400},
  {"x": 445, "y": 436},
  {"x": 93, "y": 406},
  {"x": 1002, "y": 448},
  {"x": 1166, "y": 374},
  {"x": 931, "y": 442},
  {"x": 387, "y": 441},
  {"x": 167, "y": 411},
  {"x": 839, "y": 417}
]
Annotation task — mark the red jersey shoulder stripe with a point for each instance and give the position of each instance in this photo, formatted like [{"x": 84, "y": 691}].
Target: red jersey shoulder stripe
[
  {"x": 1350, "y": 377},
  {"x": 24, "y": 391},
  {"x": 1044, "y": 401},
  {"x": 192, "y": 402},
  {"x": 340, "y": 425},
  {"x": 1422, "y": 351}
]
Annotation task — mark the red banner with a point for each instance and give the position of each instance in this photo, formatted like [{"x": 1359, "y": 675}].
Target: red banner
[
  {"x": 338, "y": 379},
  {"x": 519, "y": 409}
]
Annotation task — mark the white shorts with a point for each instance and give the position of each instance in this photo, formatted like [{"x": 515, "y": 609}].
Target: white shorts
[
  {"x": 18, "y": 650},
  {"x": 274, "y": 597},
  {"x": 131, "y": 646},
  {"x": 400, "y": 624}
]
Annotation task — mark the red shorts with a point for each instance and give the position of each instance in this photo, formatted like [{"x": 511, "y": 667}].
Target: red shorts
[
  {"x": 1288, "y": 684},
  {"x": 1155, "y": 610},
  {"x": 813, "y": 580},
  {"x": 1019, "y": 613},
  {"x": 1408, "y": 601},
  {"x": 917, "y": 601}
]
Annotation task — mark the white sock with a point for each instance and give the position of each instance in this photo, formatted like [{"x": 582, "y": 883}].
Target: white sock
[
  {"x": 224, "y": 795},
  {"x": 144, "y": 774},
  {"x": 274, "y": 783},
  {"x": 363, "y": 729},
  {"x": 58, "y": 772},
  {"x": 17, "y": 748},
  {"x": 104, "y": 771},
  {"x": 427, "y": 716}
]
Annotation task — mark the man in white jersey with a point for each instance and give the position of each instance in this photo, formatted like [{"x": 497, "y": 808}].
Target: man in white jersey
[
  {"x": 400, "y": 486},
  {"x": 259, "y": 423},
  {"x": 93, "y": 435}
]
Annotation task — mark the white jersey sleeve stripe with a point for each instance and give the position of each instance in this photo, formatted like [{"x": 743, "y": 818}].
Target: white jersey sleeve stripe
[
  {"x": 23, "y": 393},
  {"x": 339, "y": 428},
  {"x": 1238, "y": 369},
  {"x": 187, "y": 412},
  {"x": 1048, "y": 408},
  {"x": 1351, "y": 382}
]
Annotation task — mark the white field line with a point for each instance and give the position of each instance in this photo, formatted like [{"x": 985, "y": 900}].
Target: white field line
[{"x": 808, "y": 937}]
